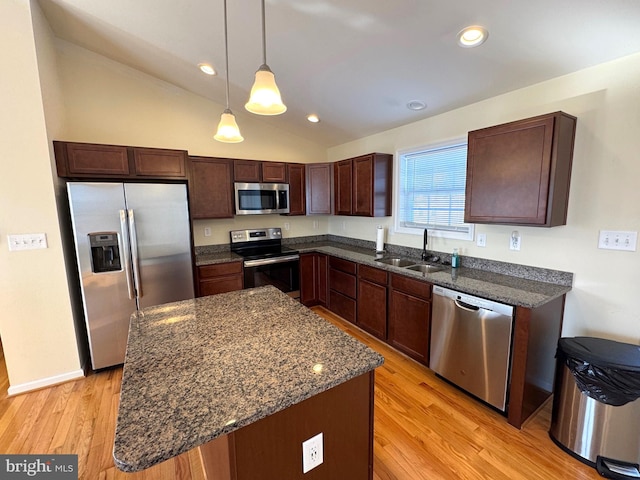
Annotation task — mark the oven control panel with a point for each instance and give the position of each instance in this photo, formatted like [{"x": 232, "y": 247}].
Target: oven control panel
[{"x": 255, "y": 235}]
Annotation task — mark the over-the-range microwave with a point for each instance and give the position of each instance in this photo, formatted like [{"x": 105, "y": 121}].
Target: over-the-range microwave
[{"x": 261, "y": 198}]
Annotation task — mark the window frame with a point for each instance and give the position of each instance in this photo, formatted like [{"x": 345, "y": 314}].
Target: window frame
[{"x": 397, "y": 228}]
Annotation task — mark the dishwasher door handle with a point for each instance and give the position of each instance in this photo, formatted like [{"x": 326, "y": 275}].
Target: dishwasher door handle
[{"x": 466, "y": 306}]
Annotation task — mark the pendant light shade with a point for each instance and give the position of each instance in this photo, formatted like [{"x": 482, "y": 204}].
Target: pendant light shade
[
  {"x": 265, "y": 96},
  {"x": 228, "y": 131}
]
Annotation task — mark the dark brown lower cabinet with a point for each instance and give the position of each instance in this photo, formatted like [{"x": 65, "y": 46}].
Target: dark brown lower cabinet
[
  {"x": 313, "y": 279},
  {"x": 342, "y": 288},
  {"x": 219, "y": 278},
  {"x": 372, "y": 301},
  {"x": 410, "y": 317}
]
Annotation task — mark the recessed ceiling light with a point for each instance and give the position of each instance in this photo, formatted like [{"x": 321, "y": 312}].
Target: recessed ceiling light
[
  {"x": 472, "y": 36},
  {"x": 313, "y": 118},
  {"x": 416, "y": 105},
  {"x": 206, "y": 68}
]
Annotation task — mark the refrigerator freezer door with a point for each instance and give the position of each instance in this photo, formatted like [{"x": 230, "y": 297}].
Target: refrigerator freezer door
[
  {"x": 160, "y": 216},
  {"x": 95, "y": 207}
]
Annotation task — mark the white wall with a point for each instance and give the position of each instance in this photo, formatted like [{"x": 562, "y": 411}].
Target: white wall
[
  {"x": 605, "y": 193},
  {"x": 36, "y": 324}
]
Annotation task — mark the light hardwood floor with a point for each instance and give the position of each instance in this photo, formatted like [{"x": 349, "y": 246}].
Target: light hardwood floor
[{"x": 424, "y": 429}]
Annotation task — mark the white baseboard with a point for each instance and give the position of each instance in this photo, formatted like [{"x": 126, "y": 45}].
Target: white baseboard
[{"x": 45, "y": 382}]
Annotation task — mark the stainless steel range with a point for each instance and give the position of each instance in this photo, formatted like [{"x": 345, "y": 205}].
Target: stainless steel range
[{"x": 266, "y": 260}]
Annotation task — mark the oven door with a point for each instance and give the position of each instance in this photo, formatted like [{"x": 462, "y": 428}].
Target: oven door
[{"x": 281, "y": 272}]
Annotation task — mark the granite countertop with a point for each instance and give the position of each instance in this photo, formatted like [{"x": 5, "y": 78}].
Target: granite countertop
[
  {"x": 500, "y": 287},
  {"x": 202, "y": 368},
  {"x": 512, "y": 284}
]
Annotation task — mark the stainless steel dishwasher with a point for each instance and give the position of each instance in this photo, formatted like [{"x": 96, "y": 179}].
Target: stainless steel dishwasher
[{"x": 471, "y": 344}]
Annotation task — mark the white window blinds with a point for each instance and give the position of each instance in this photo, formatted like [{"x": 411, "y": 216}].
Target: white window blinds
[{"x": 432, "y": 189}]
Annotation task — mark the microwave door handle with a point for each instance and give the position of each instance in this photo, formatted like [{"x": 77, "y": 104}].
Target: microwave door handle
[
  {"x": 127, "y": 254},
  {"x": 134, "y": 253}
]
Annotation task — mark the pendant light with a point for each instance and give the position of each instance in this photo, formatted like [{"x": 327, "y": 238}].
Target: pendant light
[
  {"x": 228, "y": 131},
  {"x": 265, "y": 97}
]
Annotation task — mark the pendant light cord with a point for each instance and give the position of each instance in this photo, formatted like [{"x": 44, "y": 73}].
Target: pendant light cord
[
  {"x": 264, "y": 37},
  {"x": 226, "y": 50}
]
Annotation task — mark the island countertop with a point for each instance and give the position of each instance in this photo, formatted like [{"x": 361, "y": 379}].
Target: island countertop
[{"x": 202, "y": 368}]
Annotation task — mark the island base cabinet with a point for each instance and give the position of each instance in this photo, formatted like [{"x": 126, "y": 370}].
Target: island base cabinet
[{"x": 271, "y": 448}]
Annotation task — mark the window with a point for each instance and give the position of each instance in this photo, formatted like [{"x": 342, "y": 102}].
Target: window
[{"x": 431, "y": 191}]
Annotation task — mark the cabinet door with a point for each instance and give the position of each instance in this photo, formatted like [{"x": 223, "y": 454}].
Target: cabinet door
[
  {"x": 249, "y": 171},
  {"x": 274, "y": 172},
  {"x": 323, "y": 270},
  {"x": 519, "y": 172},
  {"x": 343, "y": 187},
  {"x": 210, "y": 188},
  {"x": 213, "y": 286},
  {"x": 318, "y": 190},
  {"x": 409, "y": 319},
  {"x": 363, "y": 186},
  {"x": 309, "y": 279},
  {"x": 89, "y": 160},
  {"x": 158, "y": 163},
  {"x": 296, "y": 188},
  {"x": 372, "y": 308}
]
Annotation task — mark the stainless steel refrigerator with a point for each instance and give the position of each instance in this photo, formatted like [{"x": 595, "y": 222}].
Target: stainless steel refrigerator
[{"x": 133, "y": 250}]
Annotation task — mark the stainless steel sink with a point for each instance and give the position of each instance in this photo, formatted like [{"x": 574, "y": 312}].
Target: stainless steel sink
[
  {"x": 396, "y": 261},
  {"x": 425, "y": 268}
]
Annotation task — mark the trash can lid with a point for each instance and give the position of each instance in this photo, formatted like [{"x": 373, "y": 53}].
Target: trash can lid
[{"x": 602, "y": 352}]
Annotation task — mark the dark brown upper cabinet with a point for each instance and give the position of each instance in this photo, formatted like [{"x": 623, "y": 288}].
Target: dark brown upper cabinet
[
  {"x": 255, "y": 171},
  {"x": 318, "y": 188},
  {"x": 210, "y": 187},
  {"x": 248, "y": 171},
  {"x": 519, "y": 173},
  {"x": 362, "y": 185},
  {"x": 88, "y": 160},
  {"x": 274, "y": 172},
  {"x": 295, "y": 173}
]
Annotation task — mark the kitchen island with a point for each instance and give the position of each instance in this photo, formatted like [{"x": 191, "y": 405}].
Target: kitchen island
[{"x": 246, "y": 376}]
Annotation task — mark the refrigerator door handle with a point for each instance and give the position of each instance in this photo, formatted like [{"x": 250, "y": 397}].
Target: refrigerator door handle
[
  {"x": 127, "y": 254},
  {"x": 134, "y": 253}
]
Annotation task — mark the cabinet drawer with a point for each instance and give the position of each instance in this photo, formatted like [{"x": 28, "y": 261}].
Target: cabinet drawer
[
  {"x": 344, "y": 265},
  {"x": 219, "y": 269},
  {"x": 217, "y": 285},
  {"x": 343, "y": 306},
  {"x": 342, "y": 282},
  {"x": 411, "y": 286},
  {"x": 372, "y": 274}
]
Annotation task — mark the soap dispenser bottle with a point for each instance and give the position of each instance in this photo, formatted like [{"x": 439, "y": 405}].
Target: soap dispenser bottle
[{"x": 455, "y": 259}]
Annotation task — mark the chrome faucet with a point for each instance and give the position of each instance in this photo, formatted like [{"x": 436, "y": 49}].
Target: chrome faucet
[{"x": 424, "y": 245}]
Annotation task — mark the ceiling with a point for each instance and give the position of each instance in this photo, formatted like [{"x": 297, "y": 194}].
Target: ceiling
[{"x": 355, "y": 63}]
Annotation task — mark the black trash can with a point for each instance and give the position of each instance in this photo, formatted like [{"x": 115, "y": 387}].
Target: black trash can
[{"x": 596, "y": 406}]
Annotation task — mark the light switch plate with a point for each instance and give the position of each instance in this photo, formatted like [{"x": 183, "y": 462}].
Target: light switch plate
[
  {"x": 29, "y": 241},
  {"x": 618, "y": 240},
  {"x": 481, "y": 241}
]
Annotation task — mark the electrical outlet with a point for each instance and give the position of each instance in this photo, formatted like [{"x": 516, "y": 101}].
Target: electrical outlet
[
  {"x": 344, "y": 225},
  {"x": 312, "y": 453},
  {"x": 482, "y": 240},
  {"x": 207, "y": 231},
  {"x": 515, "y": 240},
  {"x": 618, "y": 240},
  {"x": 315, "y": 224},
  {"x": 287, "y": 225}
]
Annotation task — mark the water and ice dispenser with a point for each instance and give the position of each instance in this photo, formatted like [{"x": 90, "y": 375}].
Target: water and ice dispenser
[{"x": 105, "y": 252}]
